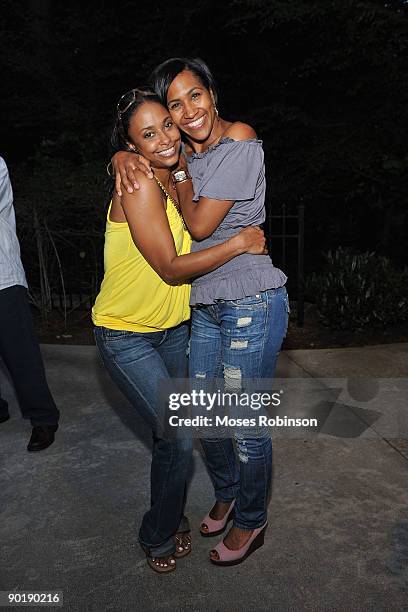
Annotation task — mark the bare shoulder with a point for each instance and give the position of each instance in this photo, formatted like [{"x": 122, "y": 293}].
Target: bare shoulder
[
  {"x": 148, "y": 188},
  {"x": 240, "y": 131},
  {"x": 149, "y": 185}
]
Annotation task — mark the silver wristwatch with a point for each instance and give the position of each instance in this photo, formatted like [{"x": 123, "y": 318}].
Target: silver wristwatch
[{"x": 180, "y": 176}]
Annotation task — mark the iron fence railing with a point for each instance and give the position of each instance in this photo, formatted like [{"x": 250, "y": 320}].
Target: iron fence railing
[
  {"x": 286, "y": 240},
  {"x": 82, "y": 277}
]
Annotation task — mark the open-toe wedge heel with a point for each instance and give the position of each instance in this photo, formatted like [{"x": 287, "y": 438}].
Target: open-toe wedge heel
[
  {"x": 234, "y": 557},
  {"x": 217, "y": 527}
]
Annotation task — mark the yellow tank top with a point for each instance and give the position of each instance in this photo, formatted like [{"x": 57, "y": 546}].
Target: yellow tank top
[{"x": 133, "y": 297}]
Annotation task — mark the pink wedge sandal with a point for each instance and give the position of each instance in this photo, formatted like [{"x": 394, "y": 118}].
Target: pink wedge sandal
[
  {"x": 217, "y": 527},
  {"x": 234, "y": 557}
]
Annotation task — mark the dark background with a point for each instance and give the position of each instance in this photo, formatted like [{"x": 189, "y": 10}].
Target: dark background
[{"x": 323, "y": 82}]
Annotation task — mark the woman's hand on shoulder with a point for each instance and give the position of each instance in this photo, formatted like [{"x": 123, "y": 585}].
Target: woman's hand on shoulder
[
  {"x": 240, "y": 131},
  {"x": 125, "y": 164},
  {"x": 146, "y": 195}
]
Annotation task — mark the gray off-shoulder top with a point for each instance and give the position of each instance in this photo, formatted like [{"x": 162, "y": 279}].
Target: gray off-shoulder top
[{"x": 233, "y": 170}]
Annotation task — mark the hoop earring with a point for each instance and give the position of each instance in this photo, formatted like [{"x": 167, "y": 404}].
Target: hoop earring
[{"x": 213, "y": 101}]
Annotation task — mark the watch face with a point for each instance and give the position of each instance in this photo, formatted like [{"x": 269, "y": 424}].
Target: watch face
[{"x": 180, "y": 175}]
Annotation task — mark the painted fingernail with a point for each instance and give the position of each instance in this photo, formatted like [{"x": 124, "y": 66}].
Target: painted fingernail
[{"x": 130, "y": 190}]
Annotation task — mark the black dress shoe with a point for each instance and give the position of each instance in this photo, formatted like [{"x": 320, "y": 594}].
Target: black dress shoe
[
  {"x": 42, "y": 437},
  {"x": 4, "y": 418}
]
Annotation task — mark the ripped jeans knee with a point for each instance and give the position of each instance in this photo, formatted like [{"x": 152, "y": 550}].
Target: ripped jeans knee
[
  {"x": 252, "y": 446},
  {"x": 232, "y": 377}
]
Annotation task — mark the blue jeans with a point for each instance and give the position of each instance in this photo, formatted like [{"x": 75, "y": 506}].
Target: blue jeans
[
  {"x": 137, "y": 362},
  {"x": 234, "y": 340}
]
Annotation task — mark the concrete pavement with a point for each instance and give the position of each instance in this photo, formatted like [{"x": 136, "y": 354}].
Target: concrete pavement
[{"x": 338, "y": 517}]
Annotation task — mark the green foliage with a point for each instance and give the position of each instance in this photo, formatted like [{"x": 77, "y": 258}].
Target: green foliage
[{"x": 355, "y": 291}]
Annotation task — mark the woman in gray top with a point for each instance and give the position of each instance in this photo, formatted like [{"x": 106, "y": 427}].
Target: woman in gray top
[{"x": 240, "y": 311}]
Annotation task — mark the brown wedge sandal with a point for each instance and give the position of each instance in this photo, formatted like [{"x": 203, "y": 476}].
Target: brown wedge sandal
[
  {"x": 183, "y": 544},
  {"x": 162, "y": 565}
]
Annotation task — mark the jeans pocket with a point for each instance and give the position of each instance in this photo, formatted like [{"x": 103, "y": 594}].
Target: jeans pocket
[
  {"x": 252, "y": 300},
  {"x": 111, "y": 335}
]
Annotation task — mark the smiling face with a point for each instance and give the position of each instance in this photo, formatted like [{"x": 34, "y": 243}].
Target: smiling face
[
  {"x": 154, "y": 135},
  {"x": 191, "y": 106}
]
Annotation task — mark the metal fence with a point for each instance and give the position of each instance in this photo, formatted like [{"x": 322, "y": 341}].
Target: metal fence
[
  {"x": 69, "y": 276},
  {"x": 82, "y": 277},
  {"x": 286, "y": 239}
]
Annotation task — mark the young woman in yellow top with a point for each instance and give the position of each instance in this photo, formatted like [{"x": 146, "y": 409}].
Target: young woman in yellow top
[{"x": 141, "y": 311}]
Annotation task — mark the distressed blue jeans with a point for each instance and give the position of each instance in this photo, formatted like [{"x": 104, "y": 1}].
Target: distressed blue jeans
[
  {"x": 137, "y": 362},
  {"x": 236, "y": 340}
]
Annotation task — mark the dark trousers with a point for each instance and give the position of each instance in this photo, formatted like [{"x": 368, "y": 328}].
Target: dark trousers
[{"x": 21, "y": 354}]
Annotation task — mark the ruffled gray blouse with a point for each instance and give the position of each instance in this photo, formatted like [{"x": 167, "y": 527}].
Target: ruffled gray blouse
[{"x": 233, "y": 170}]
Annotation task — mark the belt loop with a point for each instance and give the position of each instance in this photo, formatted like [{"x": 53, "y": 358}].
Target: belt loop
[{"x": 265, "y": 297}]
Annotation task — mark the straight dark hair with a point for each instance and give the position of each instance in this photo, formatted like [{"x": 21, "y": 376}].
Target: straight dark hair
[{"x": 163, "y": 75}]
